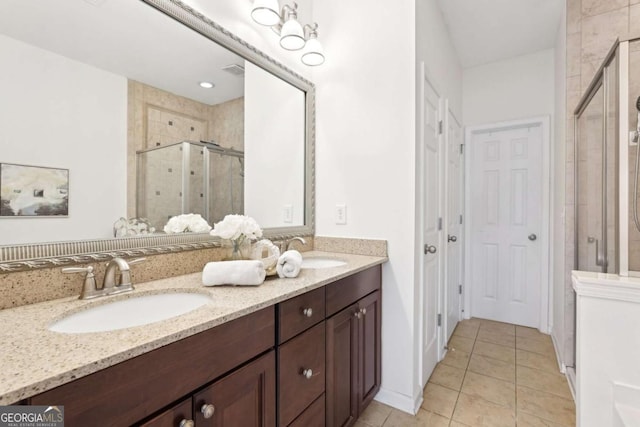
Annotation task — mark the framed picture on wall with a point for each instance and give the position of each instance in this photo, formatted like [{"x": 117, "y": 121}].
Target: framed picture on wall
[{"x": 33, "y": 191}]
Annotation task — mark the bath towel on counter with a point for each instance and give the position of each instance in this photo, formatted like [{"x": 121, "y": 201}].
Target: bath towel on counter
[
  {"x": 243, "y": 273},
  {"x": 289, "y": 264}
]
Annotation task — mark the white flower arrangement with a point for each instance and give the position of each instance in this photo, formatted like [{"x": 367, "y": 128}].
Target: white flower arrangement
[
  {"x": 237, "y": 228},
  {"x": 187, "y": 223}
]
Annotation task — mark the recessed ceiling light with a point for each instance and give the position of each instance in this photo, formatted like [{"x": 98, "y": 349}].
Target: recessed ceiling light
[{"x": 207, "y": 85}]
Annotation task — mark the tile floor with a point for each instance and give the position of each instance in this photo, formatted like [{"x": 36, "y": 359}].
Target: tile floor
[{"x": 495, "y": 374}]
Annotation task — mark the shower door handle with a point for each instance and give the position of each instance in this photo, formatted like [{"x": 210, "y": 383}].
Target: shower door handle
[{"x": 600, "y": 259}]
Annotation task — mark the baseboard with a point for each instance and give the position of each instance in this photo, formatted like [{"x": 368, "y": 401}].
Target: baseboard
[
  {"x": 399, "y": 401},
  {"x": 563, "y": 367}
]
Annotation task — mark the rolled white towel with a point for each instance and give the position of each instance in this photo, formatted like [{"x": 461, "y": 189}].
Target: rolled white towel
[
  {"x": 273, "y": 253},
  {"x": 233, "y": 273},
  {"x": 289, "y": 264}
]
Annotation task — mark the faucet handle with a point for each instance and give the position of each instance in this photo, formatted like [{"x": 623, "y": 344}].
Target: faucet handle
[{"x": 89, "y": 288}]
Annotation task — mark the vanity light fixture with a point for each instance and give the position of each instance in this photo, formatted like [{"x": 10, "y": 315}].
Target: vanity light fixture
[
  {"x": 293, "y": 36},
  {"x": 207, "y": 85},
  {"x": 313, "y": 53}
]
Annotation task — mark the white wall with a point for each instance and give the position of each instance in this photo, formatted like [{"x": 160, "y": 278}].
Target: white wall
[
  {"x": 512, "y": 89},
  {"x": 60, "y": 113},
  {"x": 558, "y": 154},
  {"x": 365, "y": 157},
  {"x": 274, "y": 157}
]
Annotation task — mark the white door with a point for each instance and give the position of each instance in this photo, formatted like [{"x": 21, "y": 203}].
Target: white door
[
  {"x": 453, "y": 244},
  {"x": 431, "y": 230},
  {"x": 506, "y": 211}
]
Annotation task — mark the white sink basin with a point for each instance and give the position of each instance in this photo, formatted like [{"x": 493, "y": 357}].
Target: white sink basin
[
  {"x": 320, "y": 262},
  {"x": 127, "y": 313}
]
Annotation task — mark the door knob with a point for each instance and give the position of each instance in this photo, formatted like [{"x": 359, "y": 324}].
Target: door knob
[
  {"x": 452, "y": 238},
  {"x": 532, "y": 237},
  {"x": 430, "y": 249}
]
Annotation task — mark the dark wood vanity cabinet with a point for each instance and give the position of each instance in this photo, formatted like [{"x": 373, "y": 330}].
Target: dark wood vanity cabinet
[{"x": 353, "y": 347}]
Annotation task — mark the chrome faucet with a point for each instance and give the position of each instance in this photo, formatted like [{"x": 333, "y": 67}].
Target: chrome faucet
[
  {"x": 117, "y": 278},
  {"x": 285, "y": 245}
]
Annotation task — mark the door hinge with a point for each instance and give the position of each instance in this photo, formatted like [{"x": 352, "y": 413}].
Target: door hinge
[
  {"x": 440, "y": 127},
  {"x": 460, "y": 289},
  {"x": 439, "y": 319},
  {"x": 460, "y": 218},
  {"x": 439, "y": 223},
  {"x": 461, "y": 148}
]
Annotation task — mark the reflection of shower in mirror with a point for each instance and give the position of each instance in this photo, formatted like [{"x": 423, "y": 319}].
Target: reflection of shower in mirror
[
  {"x": 189, "y": 177},
  {"x": 635, "y": 178}
]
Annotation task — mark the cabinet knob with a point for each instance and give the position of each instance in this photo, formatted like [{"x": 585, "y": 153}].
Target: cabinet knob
[
  {"x": 307, "y": 312},
  {"x": 208, "y": 410},
  {"x": 363, "y": 311},
  {"x": 307, "y": 373},
  {"x": 187, "y": 423},
  {"x": 358, "y": 314}
]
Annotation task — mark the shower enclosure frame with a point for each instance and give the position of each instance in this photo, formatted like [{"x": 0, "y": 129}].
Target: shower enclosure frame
[{"x": 620, "y": 52}]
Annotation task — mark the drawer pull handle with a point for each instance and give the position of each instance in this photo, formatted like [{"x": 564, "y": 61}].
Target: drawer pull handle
[
  {"x": 208, "y": 410},
  {"x": 187, "y": 423},
  {"x": 307, "y": 373},
  {"x": 307, "y": 312}
]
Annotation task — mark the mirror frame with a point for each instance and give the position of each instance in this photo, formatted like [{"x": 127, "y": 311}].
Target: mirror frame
[{"x": 24, "y": 257}]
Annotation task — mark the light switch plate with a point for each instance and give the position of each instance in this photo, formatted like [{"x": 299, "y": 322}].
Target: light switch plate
[
  {"x": 341, "y": 214},
  {"x": 287, "y": 214}
]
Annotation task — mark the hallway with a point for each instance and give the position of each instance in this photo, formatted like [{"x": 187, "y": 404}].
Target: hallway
[{"x": 495, "y": 374}]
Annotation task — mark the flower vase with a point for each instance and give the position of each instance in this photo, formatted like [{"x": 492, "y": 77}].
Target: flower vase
[{"x": 239, "y": 249}]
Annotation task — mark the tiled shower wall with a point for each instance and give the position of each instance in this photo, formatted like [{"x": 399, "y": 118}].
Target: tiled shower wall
[{"x": 592, "y": 28}]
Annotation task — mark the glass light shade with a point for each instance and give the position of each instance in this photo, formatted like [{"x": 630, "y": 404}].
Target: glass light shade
[
  {"x": 292, "y": 35},
  {"x": 313, "y": 53},
  {"x": 266, "y": 12}
]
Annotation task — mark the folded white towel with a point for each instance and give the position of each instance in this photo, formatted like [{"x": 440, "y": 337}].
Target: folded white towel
[
  {"x": 272, "y": 251},
  {"x": 289, "y": 264},
  {"x": 233, "y": 273}
]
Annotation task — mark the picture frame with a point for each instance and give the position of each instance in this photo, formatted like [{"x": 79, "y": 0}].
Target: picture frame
[{"x": 33, "y": 191}]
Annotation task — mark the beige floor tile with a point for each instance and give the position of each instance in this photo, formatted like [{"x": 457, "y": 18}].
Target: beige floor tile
[
  {"x": 540, "y": 346},
  {"x": 376, "y": 414},
  {"x": 468, "y": 330},
  {"x": 360, "y": 423},
  {"x": 495, "y": 351},
  {"x": 457, "y": 359},
  {"x": 461, "y": 343},
  {"x": 475, "y": 411},
  {"x": 537, "y": 361},
  {"x": 457, "y": 424},
  {"x": 504, "y": 328},
  {"x": 528, "y": 420},
  {"x": 421, "y": 419},
  {"x": 524, "y": 332},
  {"x": 492, "y": 367},
  {"x": 473, "y": 321},
  {"x": 447, "y": 376},
  {"x": 492, "y": 389},
  {"x": 488, "y": 335},
  {"x": 440, "y": 400},
  {"x": 546, "y": 406},
  {"x": 544, "y": 381}
]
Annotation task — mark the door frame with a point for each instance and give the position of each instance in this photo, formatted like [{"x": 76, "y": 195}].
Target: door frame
[
  {"x": 545, "y": 232},
  {"x": 420, "y": 207}
]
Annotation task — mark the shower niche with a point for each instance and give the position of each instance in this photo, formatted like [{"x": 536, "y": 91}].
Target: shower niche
[
  {"x": 607, "y": 125},
  {"x": 189, "y": 177}
]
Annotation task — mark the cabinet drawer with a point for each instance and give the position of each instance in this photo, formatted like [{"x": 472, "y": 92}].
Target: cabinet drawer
[
  {"x": 172, "y": 417},
  {"x": 302, "y": 353},
  {"x": 300, "y": 313},
  {"x": 346, "y": 291},
  {"x": 313, "y": 416}
]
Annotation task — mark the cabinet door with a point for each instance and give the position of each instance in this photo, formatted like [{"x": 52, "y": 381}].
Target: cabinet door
[
  {"x": 244, "y": 398},
  {"x": 177, "y": 416},
  {"x": 369, "y": 333},
  {"x": 342, "y": 368}
]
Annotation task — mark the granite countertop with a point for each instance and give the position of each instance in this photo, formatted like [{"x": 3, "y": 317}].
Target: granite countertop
[{"x": 34, "y": 359}]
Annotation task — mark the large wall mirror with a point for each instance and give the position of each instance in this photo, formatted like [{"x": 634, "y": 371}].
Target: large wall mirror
[{"x": 142, "y": 109}]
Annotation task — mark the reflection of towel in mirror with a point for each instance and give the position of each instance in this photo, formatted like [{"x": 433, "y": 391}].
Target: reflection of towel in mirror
[
  {"x": 233, "y": 273},
  {"x": 289, "y": 264}
]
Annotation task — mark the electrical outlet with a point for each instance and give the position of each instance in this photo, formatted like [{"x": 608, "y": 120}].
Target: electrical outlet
[
  {"x": 287, "y": 214},
  {"x": 341, "y": 214}
]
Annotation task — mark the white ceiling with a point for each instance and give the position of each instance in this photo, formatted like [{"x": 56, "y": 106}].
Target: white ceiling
[
  {"x": 128, "y": 38},
  {"x": 485, "y": 31}
]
